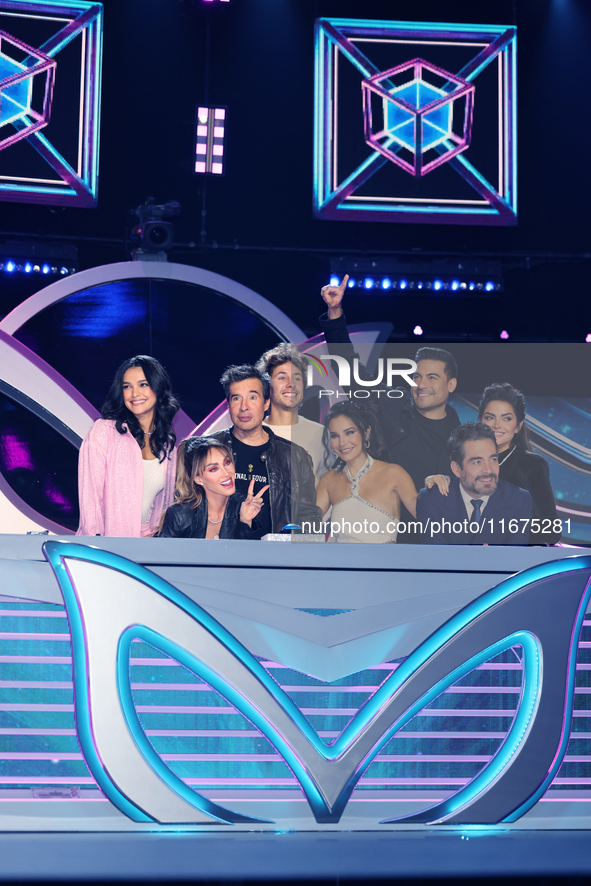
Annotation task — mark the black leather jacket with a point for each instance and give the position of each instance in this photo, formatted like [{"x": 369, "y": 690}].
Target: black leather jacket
[
  {"x": 184, "y": 521},
  {"x": 292, "y": 491}
]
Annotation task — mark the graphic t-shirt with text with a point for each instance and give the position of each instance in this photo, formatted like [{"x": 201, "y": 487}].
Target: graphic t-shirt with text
[{"x": 249, "y": 464}]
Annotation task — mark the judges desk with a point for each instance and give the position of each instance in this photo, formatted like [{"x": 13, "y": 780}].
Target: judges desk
[{"x": 312, "y": 686}]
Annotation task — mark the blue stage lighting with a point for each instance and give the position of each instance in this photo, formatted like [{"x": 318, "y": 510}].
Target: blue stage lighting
[
  {"x": 28, "y": 268},
  {"x": 489, "y": 286},
  {"x": 386, "y": 283},
  {"x": 368, "y": 283},
  {"x": 403, "y": 284},
  {"x": 437, "y": 284},
  {"x": 46, "y": 269},
  {"x": 352, "y": 283},
  {"x": 455, "y": 284},
  {"x": 418, "y": 330},
  {"x": 334, "y": 281},
  {"x": 10, "y": 266},
  {"x": 471, "y": 285}
]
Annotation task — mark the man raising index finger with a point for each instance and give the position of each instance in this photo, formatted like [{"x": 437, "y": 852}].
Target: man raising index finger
[{"x": 420, "y": 423}]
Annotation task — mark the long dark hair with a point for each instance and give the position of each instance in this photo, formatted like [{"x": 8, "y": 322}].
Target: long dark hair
[
  {"x": 505, "y": 391},
  {"x": 191, "y": 457},
  {"x": 163, "y": 437},
  {"x": 364, "y": 416}
]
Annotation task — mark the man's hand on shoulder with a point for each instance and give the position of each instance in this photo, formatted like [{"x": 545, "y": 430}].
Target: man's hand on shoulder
[{"x": 333, "y": 296}]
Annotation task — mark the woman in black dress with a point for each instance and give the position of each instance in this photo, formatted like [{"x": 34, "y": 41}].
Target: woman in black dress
[
  {"x": 502, "y": 408},
  {"x": 207, "y": 504}
]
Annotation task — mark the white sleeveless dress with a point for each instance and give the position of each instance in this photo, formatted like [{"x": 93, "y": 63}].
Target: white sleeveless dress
[{"x": 355, "y": 520}]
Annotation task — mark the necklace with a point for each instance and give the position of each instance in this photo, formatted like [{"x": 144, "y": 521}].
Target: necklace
[
  {"x": 215, "y": 522},
  {"x": 355, "y": 480},
  {"x": 509, "y": 454}
]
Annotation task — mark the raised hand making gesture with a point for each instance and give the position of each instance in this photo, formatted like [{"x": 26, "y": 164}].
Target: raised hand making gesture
[
  {"x": 252, "y": 504},
  {"x": 333, "y": 296}
]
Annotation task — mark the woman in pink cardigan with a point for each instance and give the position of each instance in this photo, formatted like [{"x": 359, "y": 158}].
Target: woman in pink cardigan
[{"x": 127, "y": 464}]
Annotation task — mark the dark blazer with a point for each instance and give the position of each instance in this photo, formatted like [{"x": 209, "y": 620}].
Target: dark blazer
[
  {"x": 292, "y": 489},
  {"x": 505, "y": 504},
  {"x": 184, "y": 521},
  {"x": 531, "y": 472}
]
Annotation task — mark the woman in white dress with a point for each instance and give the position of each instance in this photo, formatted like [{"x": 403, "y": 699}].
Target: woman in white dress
[{"x": 360, "y": 496}]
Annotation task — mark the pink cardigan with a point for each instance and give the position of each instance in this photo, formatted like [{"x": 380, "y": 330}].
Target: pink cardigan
[{"x": 110, "y": 484}]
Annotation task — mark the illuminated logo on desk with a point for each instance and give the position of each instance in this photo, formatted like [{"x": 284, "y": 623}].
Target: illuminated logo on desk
[
  {"x": 415, "y": 98},
  {"x": 112, "y": 601}
]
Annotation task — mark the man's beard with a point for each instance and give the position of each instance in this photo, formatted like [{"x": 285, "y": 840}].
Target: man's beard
[{"x": 476, "y": 488}]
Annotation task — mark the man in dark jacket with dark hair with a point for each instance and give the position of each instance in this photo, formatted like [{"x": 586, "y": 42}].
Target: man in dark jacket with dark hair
[
  {"x": 260, "y": 454},
  {"x": 418, "y": 426},
  {"x": 478, "y": 508}
]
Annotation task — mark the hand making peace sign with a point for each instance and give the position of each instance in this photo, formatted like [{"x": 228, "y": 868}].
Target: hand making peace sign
[
  {"x": 252, "y": 504},
  {"x": 333, "y": 296}
]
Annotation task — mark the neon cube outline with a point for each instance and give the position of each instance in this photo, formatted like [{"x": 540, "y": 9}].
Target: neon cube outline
[
  {"x": 417, "y": 115},
  {"x": 44, "y": 65},
  {"x": 72, "y": 181},
  {"x": 345, "y": 194}
]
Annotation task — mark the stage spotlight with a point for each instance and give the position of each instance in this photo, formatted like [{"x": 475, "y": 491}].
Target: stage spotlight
[
  {"x": 418, "y": 330},
  {"x": 455, "y": 284},
  {"x": 352, "y": 283},
  {"x": 403, "y": 284},
  {"x": 27, "y": 260},
  {"x": 334, "y": 281},
  {"x": 471, "y": 286},
  {"x": 504, "y": 335},
  {"x": 588, "y": 339},
  {"x": 368, "y": 283},
  {"x": 420, "y": 284},
  {"x": 437, "y": 284},
  {"x": 489, "y": 286},
  {"x": 386, "y": 283}
]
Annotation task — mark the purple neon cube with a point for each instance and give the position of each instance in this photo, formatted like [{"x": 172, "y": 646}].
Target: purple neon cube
[
  {"x": 25, "y": 105},
  {"x": 418, "y": 115}
]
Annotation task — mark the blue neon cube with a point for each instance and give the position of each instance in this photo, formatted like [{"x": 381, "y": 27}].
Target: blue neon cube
[
  {"x": 436, "y": 125},
  {"x": 15, "y": 100}
]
